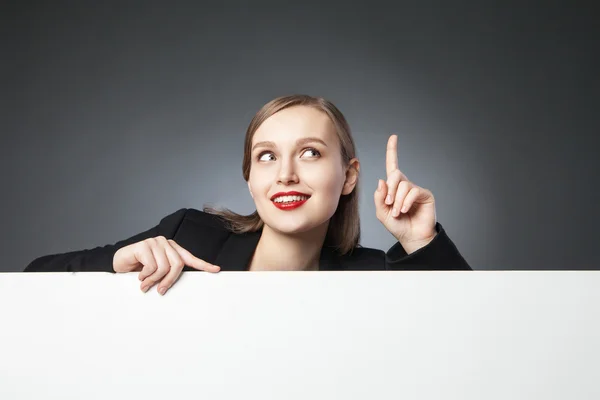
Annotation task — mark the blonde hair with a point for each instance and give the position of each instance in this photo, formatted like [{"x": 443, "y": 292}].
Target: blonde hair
[{"x": 343, "y": 232}]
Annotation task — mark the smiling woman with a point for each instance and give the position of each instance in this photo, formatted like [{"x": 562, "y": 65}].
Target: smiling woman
[{"x": 302, "y": 173}]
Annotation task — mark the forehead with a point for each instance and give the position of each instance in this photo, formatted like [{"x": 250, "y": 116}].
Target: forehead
[{"x": 295, "y": 123}]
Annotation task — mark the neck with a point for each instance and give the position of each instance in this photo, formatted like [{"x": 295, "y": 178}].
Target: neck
[{"x": 278, "y": 251}]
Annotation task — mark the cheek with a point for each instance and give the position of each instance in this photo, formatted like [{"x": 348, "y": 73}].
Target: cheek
[
  {"x": 259, "y": 181},
  {"x": 331, "y": 182}
]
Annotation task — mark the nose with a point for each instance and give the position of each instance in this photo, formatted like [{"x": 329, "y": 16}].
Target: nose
[{"x": 287, "y": 174}]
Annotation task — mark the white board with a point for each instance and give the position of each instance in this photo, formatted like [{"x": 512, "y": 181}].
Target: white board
[{"x": 302, "y": 335}]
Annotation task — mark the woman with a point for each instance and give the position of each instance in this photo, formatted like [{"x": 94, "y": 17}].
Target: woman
[{"x": 302, "y": 173}]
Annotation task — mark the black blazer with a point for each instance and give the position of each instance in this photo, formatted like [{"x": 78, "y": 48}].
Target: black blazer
[{"x": 206, "y": 237}]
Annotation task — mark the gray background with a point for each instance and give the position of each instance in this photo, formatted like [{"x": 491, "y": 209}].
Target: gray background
[{"x": 116, "y": 114}]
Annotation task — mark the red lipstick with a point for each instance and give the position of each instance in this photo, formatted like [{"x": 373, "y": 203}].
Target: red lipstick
[{"x": 292, "y": 204}]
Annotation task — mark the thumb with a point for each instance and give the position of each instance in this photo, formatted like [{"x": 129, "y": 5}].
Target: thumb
[
  {"x": 379, "y": 197},
  {"x": 193, "y": 261}
]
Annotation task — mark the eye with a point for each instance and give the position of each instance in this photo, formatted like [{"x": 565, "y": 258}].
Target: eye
[
  {"x": 318, "y": 154},
  {"x": 265, "y": 153}
]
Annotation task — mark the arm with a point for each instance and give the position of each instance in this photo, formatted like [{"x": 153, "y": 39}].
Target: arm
[
  {"x": 440, "y": 254},
  {"x": 101, "y": 258}
]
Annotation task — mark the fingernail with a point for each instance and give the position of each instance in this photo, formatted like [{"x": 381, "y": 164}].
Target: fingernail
[
  {"x": 379, "y": 186},
  {"x": 144, "y": 289},
  {"x": 162, "y": 291},
  {"x": 388, "y": 199},
  {"x": 395, "y": 212},
  {"x": 404, "y": 209}
]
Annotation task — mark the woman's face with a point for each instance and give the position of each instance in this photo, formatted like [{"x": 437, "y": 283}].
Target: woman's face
[{"x": 297, "y": 150}]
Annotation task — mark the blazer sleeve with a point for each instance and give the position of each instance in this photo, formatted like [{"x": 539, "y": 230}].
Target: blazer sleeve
[
  {"x": 101, "y": 258},
  {"x": 439, "y": 254}
]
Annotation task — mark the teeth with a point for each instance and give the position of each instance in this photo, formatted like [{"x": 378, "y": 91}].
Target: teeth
[{"x": 287, "y": 199}]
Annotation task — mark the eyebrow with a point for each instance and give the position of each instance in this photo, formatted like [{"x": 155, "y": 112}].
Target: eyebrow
[{"x": 299, "y": 142}]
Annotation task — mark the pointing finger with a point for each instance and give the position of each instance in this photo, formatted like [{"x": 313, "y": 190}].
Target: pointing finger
[
  {"x": 391, "y": 154},
  {"x": 192, "y": 260}
]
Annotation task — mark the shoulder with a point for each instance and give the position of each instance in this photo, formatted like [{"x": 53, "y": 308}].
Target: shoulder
[
  {"x": 205, "y": 218},
  {"x": 186, "y": 216}
]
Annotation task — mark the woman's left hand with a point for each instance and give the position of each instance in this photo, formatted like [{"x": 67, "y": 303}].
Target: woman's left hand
[{"x": 406, "y": 210}]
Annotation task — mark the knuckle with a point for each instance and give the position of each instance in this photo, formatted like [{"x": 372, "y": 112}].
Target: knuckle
[
  {"x": 144, "y": 245},
  {"x": 149, "y": 279},
  {"x": 162, "y": 270},
  {"x": 161, "y": 239},
  {"x": 149, "y": 269},
  {"x": 178, "y": 264}
]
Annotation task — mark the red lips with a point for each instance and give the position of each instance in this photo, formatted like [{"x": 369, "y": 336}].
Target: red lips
[{"x": 292, "y": 204}]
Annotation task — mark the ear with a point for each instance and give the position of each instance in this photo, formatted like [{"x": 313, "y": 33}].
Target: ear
[
  {"x": 250, "y": 189},
  {"x": 352, "y": 172}
]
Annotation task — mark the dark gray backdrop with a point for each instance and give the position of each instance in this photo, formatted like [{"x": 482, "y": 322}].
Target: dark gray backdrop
[{"x": 115, "y": 114}]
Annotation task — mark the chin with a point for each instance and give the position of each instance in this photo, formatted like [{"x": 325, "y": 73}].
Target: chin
[{"x": 292, "y": 227}]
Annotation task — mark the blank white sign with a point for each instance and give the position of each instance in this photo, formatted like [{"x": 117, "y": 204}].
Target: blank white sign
[{"x": 302, "y": 335}]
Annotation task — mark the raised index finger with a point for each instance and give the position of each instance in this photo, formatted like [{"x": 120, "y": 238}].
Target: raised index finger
[{"x": 391, "y": 154}]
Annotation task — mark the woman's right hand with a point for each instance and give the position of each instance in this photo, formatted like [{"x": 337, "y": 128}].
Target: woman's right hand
[{"x": 159, "y": 261}]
